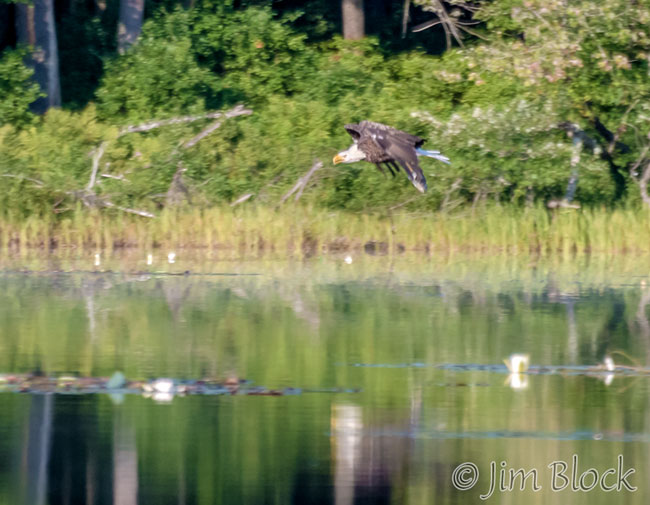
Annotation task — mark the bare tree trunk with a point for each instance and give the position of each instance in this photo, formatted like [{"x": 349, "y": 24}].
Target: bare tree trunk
[
  {"x": 35, "y": 27},
  {"x": 643, "y": 184},
  {"x": 130, "y": 24},
  {"x": 405, "y": 17},
  {"x": 353, "y": 19}
]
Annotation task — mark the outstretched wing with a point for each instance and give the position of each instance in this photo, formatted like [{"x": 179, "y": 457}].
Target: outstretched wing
[
  {"x": 370, "y": 127},
  {"x": 405, "y": 155},
  {"x": 403, "y": 152},
  {"x": 354, "y": 130}
]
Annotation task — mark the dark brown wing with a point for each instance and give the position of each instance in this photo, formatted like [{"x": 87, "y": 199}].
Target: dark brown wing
[
  {"x": 403, "y": 152},
  {"x": 371, "y": 127},
  {"x": 354, "y": 130}
]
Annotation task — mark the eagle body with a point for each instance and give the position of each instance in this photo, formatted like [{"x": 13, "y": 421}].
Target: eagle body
[{"x": 382, "y": 144}]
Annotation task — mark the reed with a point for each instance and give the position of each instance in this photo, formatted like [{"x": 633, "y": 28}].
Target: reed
[{"x": 302, "y": 230}]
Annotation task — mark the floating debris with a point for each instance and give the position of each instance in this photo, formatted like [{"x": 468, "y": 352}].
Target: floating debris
[
  {"x": 162, "y": 390},
  {"x": 463, "y": 384},
  {"x": 149, "y": 259},
  {"x": 434, "y": 434},
  {"x": 602, "y": 371},
  {"x": 171, "y": 257},
  {"x": 348, "y": 260},
  {"x": 117, "y": 381},
  {"x": 97, "y": 259}
]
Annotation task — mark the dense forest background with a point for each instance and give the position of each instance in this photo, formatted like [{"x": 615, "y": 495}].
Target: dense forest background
[{"x": 114, "y": 104}]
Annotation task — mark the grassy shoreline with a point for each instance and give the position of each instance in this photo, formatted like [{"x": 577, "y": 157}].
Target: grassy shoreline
[{"x": 299, "y": 231}]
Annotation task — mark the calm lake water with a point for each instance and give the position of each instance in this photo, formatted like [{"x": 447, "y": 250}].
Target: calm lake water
[{"x": 399, "y": 362}]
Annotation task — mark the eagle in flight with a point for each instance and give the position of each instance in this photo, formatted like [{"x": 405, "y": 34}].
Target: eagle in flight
[{"x": 378, "y": 143}]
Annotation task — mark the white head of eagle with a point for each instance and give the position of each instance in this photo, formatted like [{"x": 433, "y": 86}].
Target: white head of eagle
[{"x": 350, "y": 155}]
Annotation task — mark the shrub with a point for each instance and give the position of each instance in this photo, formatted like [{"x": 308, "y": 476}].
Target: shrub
[{"x": 17, "y": 90}]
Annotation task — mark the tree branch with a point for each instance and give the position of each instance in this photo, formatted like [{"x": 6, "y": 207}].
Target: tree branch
[
  {"x": 97, "y": 155},
  {"x": 239, "y": 110},
  {"x": 202, "y": 135},
  {"x": 302, "y": 182},
  {"x": 242, "y": 199},
  {"x": 142, "y": 213},
  {"x": 35, "y": 181}
]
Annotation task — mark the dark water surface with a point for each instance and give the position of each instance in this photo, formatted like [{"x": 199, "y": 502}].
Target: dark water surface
[{"x": 399, "y": 363}]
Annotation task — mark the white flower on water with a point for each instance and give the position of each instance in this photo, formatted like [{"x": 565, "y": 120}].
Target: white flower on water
[
  {"x": 517, "y": 363},
  {"x": 163, "y": 385},
  {"x": 160, "y": 390}
]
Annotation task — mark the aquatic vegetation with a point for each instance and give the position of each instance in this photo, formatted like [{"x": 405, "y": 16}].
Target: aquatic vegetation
[{"x": 306, "y": 230}]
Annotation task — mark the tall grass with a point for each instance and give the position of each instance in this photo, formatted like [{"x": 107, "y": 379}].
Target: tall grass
[{"x": 300, "y": 230}]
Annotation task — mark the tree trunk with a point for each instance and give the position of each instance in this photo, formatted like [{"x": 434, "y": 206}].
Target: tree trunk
[
  {"x": 130, "y": 24},
  {"x": 353, "y": 19},
  {"x": 35, "y": 27},
  {"x": 405, "y": 17}
]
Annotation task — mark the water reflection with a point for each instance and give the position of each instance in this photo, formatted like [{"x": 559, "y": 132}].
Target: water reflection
[
  {"x": 398, "y": 441},
  {"x": 36, "y": 451}
]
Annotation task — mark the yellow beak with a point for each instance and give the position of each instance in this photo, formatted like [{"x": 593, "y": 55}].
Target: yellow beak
[{"x": 338, "y": 159}]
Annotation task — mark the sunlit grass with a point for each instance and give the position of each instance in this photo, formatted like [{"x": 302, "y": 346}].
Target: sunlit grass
[{"x": 300, "y": 230}]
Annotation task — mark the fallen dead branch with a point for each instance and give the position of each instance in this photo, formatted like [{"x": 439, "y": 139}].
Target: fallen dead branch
[
  {"x": 177, "y": 186},
  {"x": 30, "y": 179},
  {"x": 299, "y": 187},
  {"x": 238, "y": 110},
  {"x": 97, "y": 155},
  {"x": 242, "y": 199},
  {"x": 142, "y": 213}
]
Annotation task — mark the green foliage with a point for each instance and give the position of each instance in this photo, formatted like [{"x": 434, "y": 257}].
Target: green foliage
[
  {"x": 594, "y": 56},
  {"x": 154, "y": 79},
  {"x": 267, "y": 57},
  {"x": 495, "y": 107},
  {"x": 42, "y": 172},
  {"x": 187, "y": 59},
  {"x": 17, "y": 90}
]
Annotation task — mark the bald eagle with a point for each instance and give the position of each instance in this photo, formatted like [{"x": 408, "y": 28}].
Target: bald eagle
[{"x": 378, "y": 143}]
